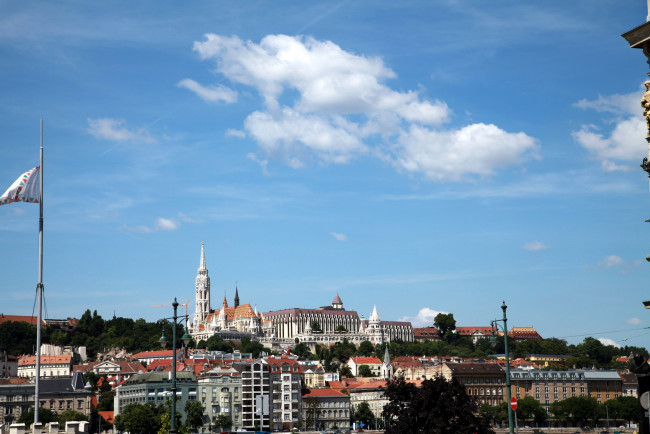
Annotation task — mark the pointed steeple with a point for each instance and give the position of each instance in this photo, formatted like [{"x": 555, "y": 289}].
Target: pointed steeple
[
  {"x": 374, "y": 317},
  {"x": 202, "y": 263},
  {"x": 386, "y": 357},
  {"x": 236, "y": 296},
  {"x": 225, "y": 302}
]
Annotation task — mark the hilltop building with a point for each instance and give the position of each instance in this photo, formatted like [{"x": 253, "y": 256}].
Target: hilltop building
[
  {"x": 327, "y": 325},
  {"x": 231, "y": 322}
]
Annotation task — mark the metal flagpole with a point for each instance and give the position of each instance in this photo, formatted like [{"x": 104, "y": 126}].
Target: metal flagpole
[{"x": 39, "y": 285}]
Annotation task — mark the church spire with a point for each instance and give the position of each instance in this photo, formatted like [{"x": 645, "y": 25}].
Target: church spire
[
  {"x": 236, "y": 296},
  {"x": 202, "y": 263}
]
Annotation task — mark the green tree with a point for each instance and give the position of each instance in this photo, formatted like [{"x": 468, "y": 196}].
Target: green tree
[
  {"x": 446, "y": 323},
  {"x": 254, "y": 347},
  {"x": 17, "y": 337},
  {"x": 528, "y": 408},
  {"x": 315, "y": 327},
  {"x": 437, "y": 407},
  {"x": 216, "y": 343},
  {"x": 346, "y": 372},
  {"x": 71, "y": 415},
  {"x": 44, "y": 416},
  {"x": 342, "y": 351},
  {"x": 301, "y": 350},
  {"x": 223, "y": 421},
  {"x": 313, "y": 410},
  {"x": 138, "y": 418},
  {"x": 363, "y": 413},
  {"x": 366, "y": 349},
  {"x": 193, "y": 414},
  {"x": 365, "y": 371},
  {"x": 341, "y": 329}
]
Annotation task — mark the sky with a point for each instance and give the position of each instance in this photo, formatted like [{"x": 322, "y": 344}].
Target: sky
[{"x": 420, "y": 156}]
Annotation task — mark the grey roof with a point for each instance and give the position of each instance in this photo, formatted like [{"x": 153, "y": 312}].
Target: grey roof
[
  {"x": 63, "y": 385},
  {"x": 602, "y": 375},
  {"x": 160, "y": 377}
]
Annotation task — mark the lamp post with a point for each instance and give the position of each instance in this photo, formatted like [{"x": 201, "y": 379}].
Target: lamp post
[
  {"x": 163, "y": 343},
  {"x": 495, "y": 326}
]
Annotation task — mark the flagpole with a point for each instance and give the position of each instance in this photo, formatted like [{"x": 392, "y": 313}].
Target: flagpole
[{"x": 39, "y": 285}]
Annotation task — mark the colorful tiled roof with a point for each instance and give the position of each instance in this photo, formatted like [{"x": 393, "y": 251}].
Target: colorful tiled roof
[
  {"x": 46, "y": 360},
  {"x": 366, "y": 360},
  {"x": 314, "y": 393},
  {"x": 15, "y": 318}
]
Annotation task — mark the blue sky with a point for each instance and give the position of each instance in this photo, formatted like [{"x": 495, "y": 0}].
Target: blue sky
[{"x": 423, "y": 156}]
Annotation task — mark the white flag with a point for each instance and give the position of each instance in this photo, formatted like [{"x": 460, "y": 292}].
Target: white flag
[{"x": 27, "y": 188}]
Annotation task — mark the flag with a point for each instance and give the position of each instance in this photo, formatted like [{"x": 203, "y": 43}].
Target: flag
[{"x": 27, "y": 188}]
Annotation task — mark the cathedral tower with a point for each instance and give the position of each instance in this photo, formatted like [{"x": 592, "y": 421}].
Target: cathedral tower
[{"x": 202, "y": 291}]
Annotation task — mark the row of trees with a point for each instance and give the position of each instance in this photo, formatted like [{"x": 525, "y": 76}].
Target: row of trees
[
  {"x": 148, "y": 418},
  {"x": 574, "y": 411},
  {"x": 97, "y": 334}
]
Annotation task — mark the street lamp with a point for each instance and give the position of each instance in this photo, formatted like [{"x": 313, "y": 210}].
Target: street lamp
[
  {"x": 163, "y": 343},
  {"x": 495, "y": 327}
]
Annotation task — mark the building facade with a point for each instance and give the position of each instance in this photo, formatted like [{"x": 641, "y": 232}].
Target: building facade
[
  {"x": 485, "y": 382},
  {"x": 51, "y": 366},
  {"x": 156, "y": 388},
  {"x": 330, "y": 324},
  {"x": 255, "y": 382},
  {"x": 220, "y": 393},
  {"x": 325, "y": 409}
]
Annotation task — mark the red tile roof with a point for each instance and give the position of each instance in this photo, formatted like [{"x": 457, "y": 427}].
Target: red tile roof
[
  {"x": 15, "y": 318},
  {"x": 60, "y": 359},
  {"x": 366, "y": 360},
  {"x": 148, "y": 354},
  {"x": 468, "y": 331},
  {"x": 312, "y": 393}
]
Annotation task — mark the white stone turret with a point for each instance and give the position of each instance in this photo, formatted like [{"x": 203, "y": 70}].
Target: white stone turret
[
  {"x": 202, "y": 308},
  {"x": 386, "y": 367}
]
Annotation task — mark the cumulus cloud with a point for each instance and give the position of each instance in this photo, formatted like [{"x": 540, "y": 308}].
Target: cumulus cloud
[
  {"x": 210, "y": 93},
  {"x": 340, "y": 237},
  {"x": 116, "y": 131},
  {"x": 424, "y": 318},
  {"x": 621, "y": 143},
  {"x": 535, "y": 245},
  {"x": 634, "y": 321},
  {"x": 326, "y": 105},
  {"x": 606, "y": 341}
]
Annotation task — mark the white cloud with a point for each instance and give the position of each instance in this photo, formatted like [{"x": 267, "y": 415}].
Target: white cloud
[
  {"x": 612, "y": 261},
  {"x": 617, "y": 104},
  {"x": 115, "y": 130},
  {"x": 535, "y": 245},
  {"x": 625, "y": 141},
  {"x": 449, "y": 155},
  {"x": 324, "y": 104},
  {"x": 634, "y": 321},
  {"x": 340, "y": 237},
  {"x": 606, "y": 341},
  {"x": 164, "y": 224},
  {"x": 235, "y": 133},
  {"x": 161, "y": 224},
  {"x": 211, "y": 93},
  {"x": 424, "y": 318},
  {"x": 263, "y": 163}
]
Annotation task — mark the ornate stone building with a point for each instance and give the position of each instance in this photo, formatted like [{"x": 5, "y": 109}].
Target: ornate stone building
[
  {"x": 329, "y": 324},
  {"x": 231, "y": 322}
]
